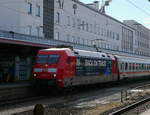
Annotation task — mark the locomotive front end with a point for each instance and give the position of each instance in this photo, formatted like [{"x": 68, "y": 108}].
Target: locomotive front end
[
  {"x": 51, "y": 67},
  {"x": 48, "y": 69},
  {"x": 45, "y": 69}
]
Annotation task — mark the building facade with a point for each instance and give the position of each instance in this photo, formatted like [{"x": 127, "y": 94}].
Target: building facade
[
  {"x": 81, "y": 23},
  {"x": 72, "y": 21},
  {"x": 22, "y": 16},
  {"x": 141, "y": 41}
]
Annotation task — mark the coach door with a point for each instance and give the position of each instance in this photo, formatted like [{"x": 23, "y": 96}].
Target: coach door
[{"x": 70, "y": 66}]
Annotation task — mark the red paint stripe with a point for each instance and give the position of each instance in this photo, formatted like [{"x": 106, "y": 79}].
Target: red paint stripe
[{"x": 134, "y": 72}]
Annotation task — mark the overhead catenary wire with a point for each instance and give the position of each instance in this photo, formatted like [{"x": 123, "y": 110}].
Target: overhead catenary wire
[{"x": 142, "y": 10}]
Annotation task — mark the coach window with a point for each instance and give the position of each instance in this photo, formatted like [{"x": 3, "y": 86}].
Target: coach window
[
  {"x": 133, "y": 66},
  {"x": 126, "y": 66},
  {"x": 122, "y": 66},
  {"x": 142, "y": 66},
  {"x": 136, "y": 66},
  {"x": 129, "y": 66},
  {"x": 146, "y": 66},
  {"x": 139, "y": 66}
]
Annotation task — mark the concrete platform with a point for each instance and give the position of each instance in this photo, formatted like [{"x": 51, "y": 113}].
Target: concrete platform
[
  {"x": 16, "y": 90},
  {"x": 14, "y": 85}
]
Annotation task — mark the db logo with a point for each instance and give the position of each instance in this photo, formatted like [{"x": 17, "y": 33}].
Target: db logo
[{"x": 44, "y": 69}]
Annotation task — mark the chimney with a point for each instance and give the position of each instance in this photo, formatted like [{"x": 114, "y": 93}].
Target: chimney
[{"x": 96, "y": 5}]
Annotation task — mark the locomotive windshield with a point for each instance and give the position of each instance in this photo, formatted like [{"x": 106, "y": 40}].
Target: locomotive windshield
[{"x": 47, "y": 59}]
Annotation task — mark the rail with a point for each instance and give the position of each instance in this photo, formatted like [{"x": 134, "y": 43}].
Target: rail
[
  {"x": 135, "y": 92},
  {"x": 129, "y": 107}
]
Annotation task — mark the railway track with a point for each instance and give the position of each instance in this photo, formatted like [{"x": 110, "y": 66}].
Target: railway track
[
  {"x": 135, "y": 108},
  {"x": 74, "y": 97}
]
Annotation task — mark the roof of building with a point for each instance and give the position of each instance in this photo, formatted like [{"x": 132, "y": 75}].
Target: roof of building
[{"x": 85, "y": 5}]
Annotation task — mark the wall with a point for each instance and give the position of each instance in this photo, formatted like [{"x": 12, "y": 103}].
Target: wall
[
  {"x": 81, "y": 24},
  {"x": 14, "y": 16}
]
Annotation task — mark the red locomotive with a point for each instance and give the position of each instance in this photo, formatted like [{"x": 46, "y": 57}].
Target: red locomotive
[{"x": 64, "y": 67}]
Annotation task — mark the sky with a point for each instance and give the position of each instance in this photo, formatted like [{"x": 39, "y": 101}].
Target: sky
[{"x": 138, "y": 10}]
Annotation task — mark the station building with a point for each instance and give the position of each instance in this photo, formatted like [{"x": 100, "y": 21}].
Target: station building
[
  {"x": 34, "y": 24},
  {"x": 22, "y": 16},
  {"x": 75, "y": 22},
  {"x": 141, "y": 43},
  {"x": 19, "y": 18}
]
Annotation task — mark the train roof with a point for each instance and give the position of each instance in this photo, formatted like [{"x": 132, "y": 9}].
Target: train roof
[
  {"x": 132, "y": 59},
  {"x": 66, "y": 50},
  {"x": 85, "y": 53},
  {"x": 82, "y": 53},
  {"x": 56, "y": 49}
]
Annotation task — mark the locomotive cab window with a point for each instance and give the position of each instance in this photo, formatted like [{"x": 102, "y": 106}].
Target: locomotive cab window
[
  {"x": 53, "y": 59},
  {"x": 126, "y": 66},
  {"x": 50, "y": 59},
  {"x": 42, "y": 59}
]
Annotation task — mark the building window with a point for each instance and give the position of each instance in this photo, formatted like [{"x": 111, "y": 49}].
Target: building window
[
  {"x": 38, "y": 31},
  {"x": 95, "y": 28},
  {"x": 68, "y": 23},
  {"x": 91, "y": 27},
  {"x": 68, "y": 38},
  {"x": 87, "y": 27},
  {"x": 74, "y": 39},
  {"x": 57, "y": 36},
  {"x": 98, "y": 30},
  {"x": 29, "y": 8},
  {"x": 83, "y": 25},
  {"x": 107, "y": 33},
  {"x": 57, "y": 17},
  {"x": 78, "y": 40},
  {"x": 117, "y": 36},
  {"x": 29, "y": 30},
  {"x": 79, "y": 23},
  {"x": 38, "y": 10},
  {"x": 74, "y": 23}
]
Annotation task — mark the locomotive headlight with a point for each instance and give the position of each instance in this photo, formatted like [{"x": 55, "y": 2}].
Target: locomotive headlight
[
  {"x": 54, "y": 75},
  {"x": 34, "y": 75}
]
